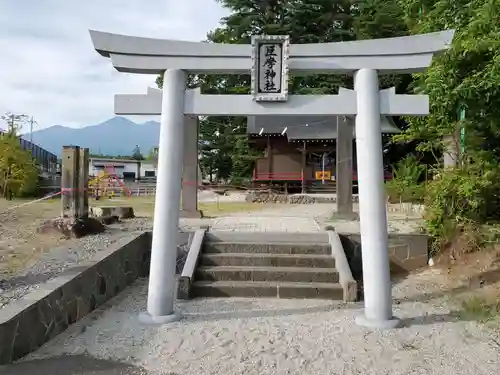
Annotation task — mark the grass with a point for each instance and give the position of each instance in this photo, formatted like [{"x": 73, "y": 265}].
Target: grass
[
  {"x": 144, "y": 206},
  {"x": 480, "y": 308},
  {"x": 20, "y": 244}
]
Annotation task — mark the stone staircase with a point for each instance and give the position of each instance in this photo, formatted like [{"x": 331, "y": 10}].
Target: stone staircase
[
  {"x": 298, "y": 269},
  {"x": 317, "y": 187}
]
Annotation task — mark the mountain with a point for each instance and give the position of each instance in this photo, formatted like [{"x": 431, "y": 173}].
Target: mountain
[{"x": 116, "y": 136}]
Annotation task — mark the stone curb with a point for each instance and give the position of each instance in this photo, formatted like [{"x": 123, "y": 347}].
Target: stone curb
[{"x": 346, "y": 280}]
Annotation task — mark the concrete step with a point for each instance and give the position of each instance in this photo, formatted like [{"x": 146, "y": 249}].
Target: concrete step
[
  {"x": 329, "y": 187},
  {"x": 255, "y": 289},
  {"x": 281, "y": 274},
  {"x": 267, "y": 237},
  {"x": 266, "y": 260},
  {"x": 273, "y": 248}
]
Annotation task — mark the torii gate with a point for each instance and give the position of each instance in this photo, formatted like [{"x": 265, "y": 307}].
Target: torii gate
[{"x": 269, "y": 60}]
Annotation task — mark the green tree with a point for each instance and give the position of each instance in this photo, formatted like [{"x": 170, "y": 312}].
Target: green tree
[
  {"x": 313, "y": 21},
  {"x": 224, "y": 147},
  {"x": 136, "y": 154},
  {"x": 153, "y": 154},
  {"x": 216, "y": 146},
  {"x": 18, "y": 171},
  {"x": 467, "y": 75}
]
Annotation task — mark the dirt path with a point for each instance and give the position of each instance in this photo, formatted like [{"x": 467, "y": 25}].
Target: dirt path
[{"x": 20, "y": 243}]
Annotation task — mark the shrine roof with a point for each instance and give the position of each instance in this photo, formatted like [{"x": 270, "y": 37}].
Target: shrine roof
[{"x": 307, "y": 128}]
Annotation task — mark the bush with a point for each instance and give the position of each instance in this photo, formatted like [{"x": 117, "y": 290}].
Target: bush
[
  {"x": 458, "y": 202},
  {"x": 18, "y": 171},
  {"x": 405, "y": 185},
  {"x": 240, "y": 181}
]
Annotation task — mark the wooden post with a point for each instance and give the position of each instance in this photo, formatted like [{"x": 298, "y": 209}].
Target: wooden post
[
  {"x": 138, "y": 171},
  {"x": 304, "y": 159},
  {"x": 69, "y": 181},
  {"x": 344, "y": 168},
  {"x": 190, "y": 171},
  {"x": 83, "y": 184},
  {"x": 269, "y": 158}
]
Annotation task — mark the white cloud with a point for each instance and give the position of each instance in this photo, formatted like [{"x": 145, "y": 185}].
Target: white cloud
[{"x": 49, "y": 69}]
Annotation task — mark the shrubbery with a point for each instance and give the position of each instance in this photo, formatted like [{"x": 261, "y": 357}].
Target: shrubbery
[
  {"x": 18, "y": 171},
  {"x": 459, "y": 201},
  {"x": 406, "y": 186}
]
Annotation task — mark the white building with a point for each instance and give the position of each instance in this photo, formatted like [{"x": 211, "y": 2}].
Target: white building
[{"x": 127, "y": 169}]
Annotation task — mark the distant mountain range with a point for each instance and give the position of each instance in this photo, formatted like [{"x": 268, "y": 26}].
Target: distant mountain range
[{"x": 116, "y": 136}]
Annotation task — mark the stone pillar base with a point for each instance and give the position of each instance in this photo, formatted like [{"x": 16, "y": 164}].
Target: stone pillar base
[
  {"x": 191, "y": 214},
  {"x": 378, "y": 324}
]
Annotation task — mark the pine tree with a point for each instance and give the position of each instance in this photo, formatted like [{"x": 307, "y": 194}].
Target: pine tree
[
  {"x": 136, "y": 154},
  {"x": 312, "y": 21}
]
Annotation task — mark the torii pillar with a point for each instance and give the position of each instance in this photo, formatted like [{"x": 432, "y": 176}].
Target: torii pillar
[
  {"x": 344, "y": 169},
  {"x": 190, "y": 183}
]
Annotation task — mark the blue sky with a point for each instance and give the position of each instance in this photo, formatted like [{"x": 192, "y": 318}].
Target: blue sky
[{"x": 49, "y": 69}]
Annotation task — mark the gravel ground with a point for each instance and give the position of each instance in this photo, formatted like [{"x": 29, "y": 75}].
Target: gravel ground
[
  {"x": 319, "y": 215},
  {"x": 270, "y": 336},
  {"x": 71, "y": 253},
  {"x": 207, "y": 196}
]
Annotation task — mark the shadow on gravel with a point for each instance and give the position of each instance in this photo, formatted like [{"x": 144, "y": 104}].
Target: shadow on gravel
[
  {"x": 73, "y": 365},
  {"x": 475, "y": 282},
  {"x": 29, "y": 279},
  {"x": 430, "y": 319}
]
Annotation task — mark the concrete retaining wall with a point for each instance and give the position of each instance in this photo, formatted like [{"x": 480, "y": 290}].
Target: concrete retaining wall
[
  {"x": 407, "y": 252},
  {"x": 33, "y": 320}
]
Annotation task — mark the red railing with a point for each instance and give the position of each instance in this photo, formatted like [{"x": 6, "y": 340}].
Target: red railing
[
  {"x": 277, "y": 176},
  {"x": 295, "y": 176}
]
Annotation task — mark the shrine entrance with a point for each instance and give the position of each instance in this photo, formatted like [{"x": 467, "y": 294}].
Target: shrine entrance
[
  {"x": 269, "y": 60},
  {"x": 323, "y": 165}
]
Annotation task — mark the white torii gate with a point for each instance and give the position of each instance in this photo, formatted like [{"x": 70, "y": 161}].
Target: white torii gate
[{"x": 269, "y": 60}]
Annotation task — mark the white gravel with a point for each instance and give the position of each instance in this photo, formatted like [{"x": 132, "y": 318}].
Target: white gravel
[
  {"x": 310, "y": 218},
  {"x": 270, "y": 336}
]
